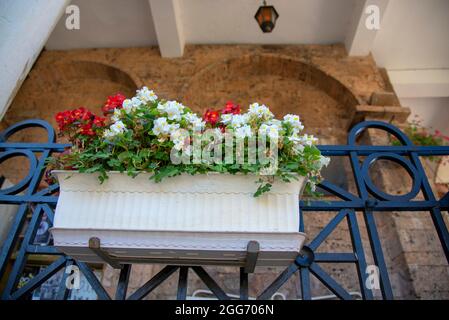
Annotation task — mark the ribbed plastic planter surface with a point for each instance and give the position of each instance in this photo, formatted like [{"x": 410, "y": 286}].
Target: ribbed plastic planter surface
[{"x": 200, "y": 219}]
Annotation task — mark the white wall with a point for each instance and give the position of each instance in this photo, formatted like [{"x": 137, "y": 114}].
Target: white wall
[
  {"x": 413, "y": 45},
  {"x": 106, "y": 24},
  {"x": 414, "y": 35},
  {"x": 232, "y": 21},
  {"x": 433, "y": 111},
  {"x": 128, "y": 23},
  {"x": 24, "y": 29}
]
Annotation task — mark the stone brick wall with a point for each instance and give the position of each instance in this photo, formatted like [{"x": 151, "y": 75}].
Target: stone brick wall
[
  {"x": 328, "y": 89},
  {"x": 320, "y": 83}
]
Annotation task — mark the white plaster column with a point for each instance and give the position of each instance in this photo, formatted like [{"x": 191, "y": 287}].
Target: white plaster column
[
  {"x": 25, "y": 26},
  {"x": 359, "y": 39},
  {"x": 168, "y": 25}
]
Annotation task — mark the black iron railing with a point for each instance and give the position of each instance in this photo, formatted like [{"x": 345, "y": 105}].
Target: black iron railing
[{"x": 369, "y": 200}]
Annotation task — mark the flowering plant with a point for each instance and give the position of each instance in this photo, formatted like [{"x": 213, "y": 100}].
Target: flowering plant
[
  {"x": 421, "y": 136},
  {"x": 79, "y": 122},
  {"x": 148, "y": 134}
]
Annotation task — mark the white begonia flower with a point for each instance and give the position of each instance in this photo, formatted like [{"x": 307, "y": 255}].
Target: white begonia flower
[
  {"x": 293, "y": 120},
  {"x": 128, "y": 106},
  {"x": 115, "y": 129},
  {"x": 271, "y": 130},
  {"x": 178, "y": 137},
  {"x": 276, "y": 123},
  {"x": 308, "y": 140},
  {"x": 162, "y": 127},
  {"x": 173, "y": 109},
  {"x": 226, "y": 118},
  {"x": 118, "y": 127},
  {"x": 298, "y": 146},
  {"x": 324, "y": 161},
  {"x": 260, "y": 111},
  {"x": 116, "y": 116},
  {"x": 263, "y": 128},
  {"x": 146, "y": 95},
  {"x": 295, "y": 139},
  {"x": 196, "y": 123},
  {"x": 239, "y": 120},
  {"x": 243, "y": 132},
  {"x": 190, "y": 117},
  {"x": 136, "y": 102},
  {"x": 174, "y": 126},
  {"x": 108, "y": 134}
]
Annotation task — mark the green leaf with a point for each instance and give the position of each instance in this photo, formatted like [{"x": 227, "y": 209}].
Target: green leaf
[
  {"x": 168, "y": 171},
  {"x": 262, "y": 189},
  {"x": 124, "y": 156}
]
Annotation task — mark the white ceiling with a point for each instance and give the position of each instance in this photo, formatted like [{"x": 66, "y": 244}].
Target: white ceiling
[
  {"x": 232, "y": 21},
  {"x": 414, "y": 33},
  {"x": 106, "y": 24},
  {"x": 126, "y": 23}
]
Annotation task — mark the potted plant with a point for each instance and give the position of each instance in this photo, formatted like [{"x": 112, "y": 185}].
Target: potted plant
[{"x": 154, "y": 181}]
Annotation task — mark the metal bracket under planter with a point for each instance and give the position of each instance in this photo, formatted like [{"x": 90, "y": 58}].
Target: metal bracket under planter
[
  {"x": 252, "y": 253},
  {"x": 95, "y": 246}
]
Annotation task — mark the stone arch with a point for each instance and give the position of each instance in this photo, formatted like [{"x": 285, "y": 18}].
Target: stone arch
[
  {"x": 79, "y": 69},
  {"x": 59, "y": 86},
  {"x": 56, "y": 87},
  {"x": 286, "y": 84}
]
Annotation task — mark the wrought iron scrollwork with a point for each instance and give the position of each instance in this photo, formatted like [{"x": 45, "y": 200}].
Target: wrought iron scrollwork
[{"x": 368, "y": 200}]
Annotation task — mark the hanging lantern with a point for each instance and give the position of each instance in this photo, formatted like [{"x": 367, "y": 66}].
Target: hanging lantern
[{"x": 266, "y": 17}]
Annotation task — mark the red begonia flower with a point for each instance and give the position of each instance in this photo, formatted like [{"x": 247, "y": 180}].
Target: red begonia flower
[{"x": 211, "y": 116}]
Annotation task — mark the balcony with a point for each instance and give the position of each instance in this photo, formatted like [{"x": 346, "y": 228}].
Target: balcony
[{"x": 380, "y": 231}]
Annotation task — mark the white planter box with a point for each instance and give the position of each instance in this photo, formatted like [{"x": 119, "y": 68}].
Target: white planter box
[{"x": 201, "y": 219}]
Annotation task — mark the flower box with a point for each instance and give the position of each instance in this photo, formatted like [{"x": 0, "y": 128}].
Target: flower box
[
  {"x": 201, "y": 205},
  {"x": 200, "y": 219}
]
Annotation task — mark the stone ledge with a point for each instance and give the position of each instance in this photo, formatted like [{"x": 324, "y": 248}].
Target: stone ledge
[{"x": 393, "y": 114}]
